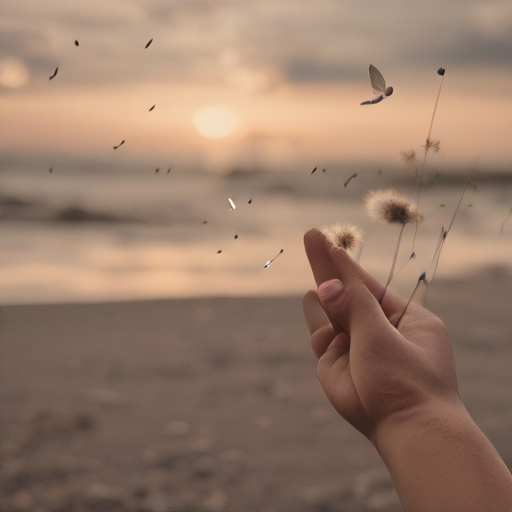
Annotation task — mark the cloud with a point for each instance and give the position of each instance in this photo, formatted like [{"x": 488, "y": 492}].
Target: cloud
[{"x": 300, "y": 40}]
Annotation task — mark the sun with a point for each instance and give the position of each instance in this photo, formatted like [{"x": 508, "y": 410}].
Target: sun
[{"x": 214, "y": 122}]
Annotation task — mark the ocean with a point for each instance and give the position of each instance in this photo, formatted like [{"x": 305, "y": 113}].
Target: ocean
[{"x": 93, "y": 232}]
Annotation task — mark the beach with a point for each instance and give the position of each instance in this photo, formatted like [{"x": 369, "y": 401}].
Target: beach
[{"x": 212, "y": 404}]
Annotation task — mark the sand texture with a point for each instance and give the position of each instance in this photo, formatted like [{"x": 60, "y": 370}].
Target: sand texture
[{"x": 211, "y": 405}]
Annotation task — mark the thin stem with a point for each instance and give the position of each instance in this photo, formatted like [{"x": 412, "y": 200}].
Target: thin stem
[
  {"x": 501, "y": 229},
  {"x": 414, "y": 239},
  {"x": 420, "y": 280},
  {"x": 396, "y": 255},
  {"x": 413, "y": 255},
  {"x": 427, "y": 147},
  {"x": 444, "y": 233},
  {"x": 435, "y": 108},
  {"x": 358, "y": 252},
  {"x": 470, "y": 182}
]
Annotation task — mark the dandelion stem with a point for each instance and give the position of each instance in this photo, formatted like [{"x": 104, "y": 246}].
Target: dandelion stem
[
  {"x": 444, "y": 233},
  {"x": 470, "y": 182},
  {"x": 434, "y": 113},
  {"x": 414, "y": 238},
  {"x": 395, "y": 256},
  {"x": 427, "y": 148},
  {"x": 421, "y": 279},
  {"x": 502, "y": 228}
]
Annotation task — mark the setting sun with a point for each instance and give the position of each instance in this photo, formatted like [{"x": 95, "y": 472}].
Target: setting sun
[{"x": 214, "y": 122}]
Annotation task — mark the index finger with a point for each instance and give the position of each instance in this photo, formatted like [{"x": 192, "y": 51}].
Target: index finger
[{"x": 329, "y": 262}]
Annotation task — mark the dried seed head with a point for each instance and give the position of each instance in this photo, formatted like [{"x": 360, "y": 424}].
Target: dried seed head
[
  {"x": 345, "y": 236},
  {"x": 409, "y": 159},
  {"x": 432, "y": 145},
  {"x": 388, "y": 206}
]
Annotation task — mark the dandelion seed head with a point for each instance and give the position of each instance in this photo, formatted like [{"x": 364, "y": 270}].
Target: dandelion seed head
[
  {"x": 391, "y": 207},
  {"x": 345, "y": 236},
  {"x": 409, "y": 158},
  {"x": 432, "y": 145}
]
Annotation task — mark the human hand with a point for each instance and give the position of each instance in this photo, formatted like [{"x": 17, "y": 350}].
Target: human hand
[
  {"x": 399, "y": 387},
  {"x": 371, "y": 372}
]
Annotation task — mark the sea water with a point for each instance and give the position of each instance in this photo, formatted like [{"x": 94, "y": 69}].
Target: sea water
[{"x": 94, "y": 233}]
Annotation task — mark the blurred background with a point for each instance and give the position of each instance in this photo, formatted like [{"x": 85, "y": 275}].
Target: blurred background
[
  {"x": 113, "y": 399},
  {"x": 249, "y": 98}
]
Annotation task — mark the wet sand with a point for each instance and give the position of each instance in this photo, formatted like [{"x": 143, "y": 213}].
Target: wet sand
[{"x": 211, "y": 404}]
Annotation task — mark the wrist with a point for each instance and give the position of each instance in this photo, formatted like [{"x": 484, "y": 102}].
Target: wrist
[
  {"x": 440, "y": 460},
  {"x": 435, "y": 416}
]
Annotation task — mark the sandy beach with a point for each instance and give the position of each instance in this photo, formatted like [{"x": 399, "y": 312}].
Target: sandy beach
[{"x": 211, "y": 404}]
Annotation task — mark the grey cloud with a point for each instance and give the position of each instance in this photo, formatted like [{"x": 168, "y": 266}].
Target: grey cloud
[
  {"x": 310, "y": 71},
  {"x": 322, "y": 41}
]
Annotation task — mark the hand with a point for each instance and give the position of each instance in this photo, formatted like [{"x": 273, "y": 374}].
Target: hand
[
  {"x": 399, "y": 388},
  {"x": 371, "y": 372}
]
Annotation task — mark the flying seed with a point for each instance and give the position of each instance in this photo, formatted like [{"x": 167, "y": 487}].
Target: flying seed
[
  {"x": 54, "y": 74},
  {"x": 150, "y": 41},
  {"x": 351, "y": 178},
  {"x": 441, "y": 71},
  {"x": 269, "y": 262},
  {"x": 115, "y": 147}
]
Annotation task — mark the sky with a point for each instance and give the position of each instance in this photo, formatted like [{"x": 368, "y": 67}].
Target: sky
[{"x": 289, "y": 76}]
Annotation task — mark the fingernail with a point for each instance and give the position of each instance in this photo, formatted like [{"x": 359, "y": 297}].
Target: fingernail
[{"x": 330, "y": 290}]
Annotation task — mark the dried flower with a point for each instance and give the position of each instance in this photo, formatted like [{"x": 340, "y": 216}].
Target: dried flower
[
  {"x": 409, "y": 158},
  {"x": 345, "y": 236},
  {"x": 433, "y": 145},
  {"x": 388, "y": 206}
]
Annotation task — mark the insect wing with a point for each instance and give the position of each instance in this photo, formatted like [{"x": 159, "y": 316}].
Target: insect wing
[{"x": 377, "y": 81}]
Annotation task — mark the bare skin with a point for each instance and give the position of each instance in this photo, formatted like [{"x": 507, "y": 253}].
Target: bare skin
[{"x": 399, "y": 387}]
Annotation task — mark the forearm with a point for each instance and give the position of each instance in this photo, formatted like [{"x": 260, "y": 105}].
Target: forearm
[{"x": 440, "y": 461}]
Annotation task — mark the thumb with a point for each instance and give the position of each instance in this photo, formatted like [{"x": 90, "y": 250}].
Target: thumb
[{"x": 353, "y": 309}]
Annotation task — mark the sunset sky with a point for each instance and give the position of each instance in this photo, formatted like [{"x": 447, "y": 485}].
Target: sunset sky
[{"x": 289, "y": 76}]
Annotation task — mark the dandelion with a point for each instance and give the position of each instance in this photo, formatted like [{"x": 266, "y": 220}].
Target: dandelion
[
  {"x": 409, "y": 159},
  {"x": 391, "y": 207},
  {"x": 345, "y": 236},
  {"x": 433, "y": 145}
]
